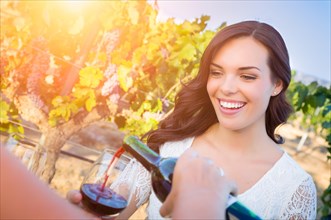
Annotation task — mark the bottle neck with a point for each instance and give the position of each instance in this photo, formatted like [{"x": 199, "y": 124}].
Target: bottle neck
[{"x": 146, "y": 156}]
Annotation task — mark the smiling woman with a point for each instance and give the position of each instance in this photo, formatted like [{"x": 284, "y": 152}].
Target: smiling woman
[
  {"x": 241, "y": 85},
  {"x": 229, "y": 114}
]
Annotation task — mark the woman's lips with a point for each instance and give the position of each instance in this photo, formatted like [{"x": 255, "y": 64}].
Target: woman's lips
[{"x": 230, "y": 107}]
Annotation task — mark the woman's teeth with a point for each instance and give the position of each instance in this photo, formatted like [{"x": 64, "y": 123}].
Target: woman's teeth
[{"x": 235, "y": 105}]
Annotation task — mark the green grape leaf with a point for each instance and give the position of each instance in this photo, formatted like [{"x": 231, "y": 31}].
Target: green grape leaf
[
  {"x": 305, "y": 108},
  {"x": 187, "y": 53},
  {"x": 52, "y": 122},
  {"x": 326, "y": 124},
  {"x": 81, "y": 93},
  {"x": 153, "y": 48},
  {"x": 90, "y": 77},
  {"x": 329, "y": 140},
  {"x": 57, "y": 101},
  {"x": 320, "y": 100},
  {"x": 11, "y": 129},
  {"x": 300, "y": 96},
  {"x": 73, "y": 107},
  {"x": 158, "y": 106},
  {"x": 326, "y": 110},
  {"x": 311, "y": 100},
  {"x": 90, "y": 102},
  {"x": 4, "y": 108},
  {"x": 312, "y": 87},
  {"x": 20, "y": 129},
  {"x": 204, "y": 18},
  {"x": 124, "y": 78},
  {"x": 63, "y": 112}
]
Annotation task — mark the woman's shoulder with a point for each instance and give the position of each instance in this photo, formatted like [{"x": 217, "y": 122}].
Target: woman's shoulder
[
  {"x": 175, "y": 148},
  {"x": 291, "y": 175},
  {"x": 300, "y": 189},
  {"x": 284, "y": 186},
  {"x": 285, "y": 177},
  {"x": 292, "y": 168}
]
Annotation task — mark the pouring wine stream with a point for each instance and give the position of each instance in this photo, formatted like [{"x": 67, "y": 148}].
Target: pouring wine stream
[{"x": 112, "y": 163}]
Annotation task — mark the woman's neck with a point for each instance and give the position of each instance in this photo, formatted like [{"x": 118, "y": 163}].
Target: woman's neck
[{"x": 249, "y": 140}]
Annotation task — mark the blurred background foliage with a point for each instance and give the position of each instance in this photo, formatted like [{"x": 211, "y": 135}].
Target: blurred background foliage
[{"x": 101, "y": 54}]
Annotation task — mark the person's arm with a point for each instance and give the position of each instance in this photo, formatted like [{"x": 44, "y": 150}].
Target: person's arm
[
  {"x": 24, "y": 196},
  {"x": 199, "y": 189}
]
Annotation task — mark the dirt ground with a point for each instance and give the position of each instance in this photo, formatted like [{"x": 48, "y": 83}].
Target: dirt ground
[{"x": 312, "y": 157}]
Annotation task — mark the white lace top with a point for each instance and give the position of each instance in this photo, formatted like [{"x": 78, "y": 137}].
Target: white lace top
[{"x": 286, "y": 191}]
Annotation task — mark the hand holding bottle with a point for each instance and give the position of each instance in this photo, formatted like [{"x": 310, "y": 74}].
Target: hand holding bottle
[
  {"x": 199, "y": 189},
  {"x": 162, "y": 172}
]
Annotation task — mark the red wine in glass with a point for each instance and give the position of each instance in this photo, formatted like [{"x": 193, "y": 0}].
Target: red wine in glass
[
  {"x": 102, "y": 201},
  {"x": 100, "y": 189}
]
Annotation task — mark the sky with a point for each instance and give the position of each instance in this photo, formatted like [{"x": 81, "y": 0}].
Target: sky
[{"x": 304, "y": 25}]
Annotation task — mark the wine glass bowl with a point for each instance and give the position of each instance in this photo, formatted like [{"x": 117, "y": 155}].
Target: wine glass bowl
[{"x": 109, "y": 184}]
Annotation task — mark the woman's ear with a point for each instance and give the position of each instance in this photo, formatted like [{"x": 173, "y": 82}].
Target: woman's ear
[{"x": 278, "y": 87}]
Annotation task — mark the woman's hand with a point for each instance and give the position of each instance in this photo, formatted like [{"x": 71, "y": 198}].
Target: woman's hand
[
  {"x": 75, "y": 197},
  {"x": 199, "y": 189}
]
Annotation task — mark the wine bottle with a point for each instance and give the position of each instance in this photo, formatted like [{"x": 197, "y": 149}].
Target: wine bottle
[{"x": 162, "y": 169}]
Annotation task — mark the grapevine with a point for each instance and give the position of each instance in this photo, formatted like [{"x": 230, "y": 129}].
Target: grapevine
[{"x": 313, "y": 103}]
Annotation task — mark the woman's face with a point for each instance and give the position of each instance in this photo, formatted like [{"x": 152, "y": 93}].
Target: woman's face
[{"x": 240, "y": 85}]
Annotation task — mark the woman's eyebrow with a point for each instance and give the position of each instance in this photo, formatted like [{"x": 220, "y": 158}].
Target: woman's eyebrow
[
  {"x": 214, "y": 64},
  {"x": 249, "y": 67},
  {"x": 240, "y": 68}
]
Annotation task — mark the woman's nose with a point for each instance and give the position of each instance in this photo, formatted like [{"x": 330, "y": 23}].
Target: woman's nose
[{"x": 229, "y": 85}]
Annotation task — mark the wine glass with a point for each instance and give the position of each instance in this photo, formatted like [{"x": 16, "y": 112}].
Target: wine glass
[
  {"x": 25, "y": 148},
  {"x": 108, "y": 187}
]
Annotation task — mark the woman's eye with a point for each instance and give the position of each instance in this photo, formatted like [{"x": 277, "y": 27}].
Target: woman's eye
[
  {"x": 215, "y": 73},
  {"x": 248, "y": 77}
]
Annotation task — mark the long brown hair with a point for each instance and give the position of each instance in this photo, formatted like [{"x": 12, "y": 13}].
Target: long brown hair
[{"x": 193, "y": 113}]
